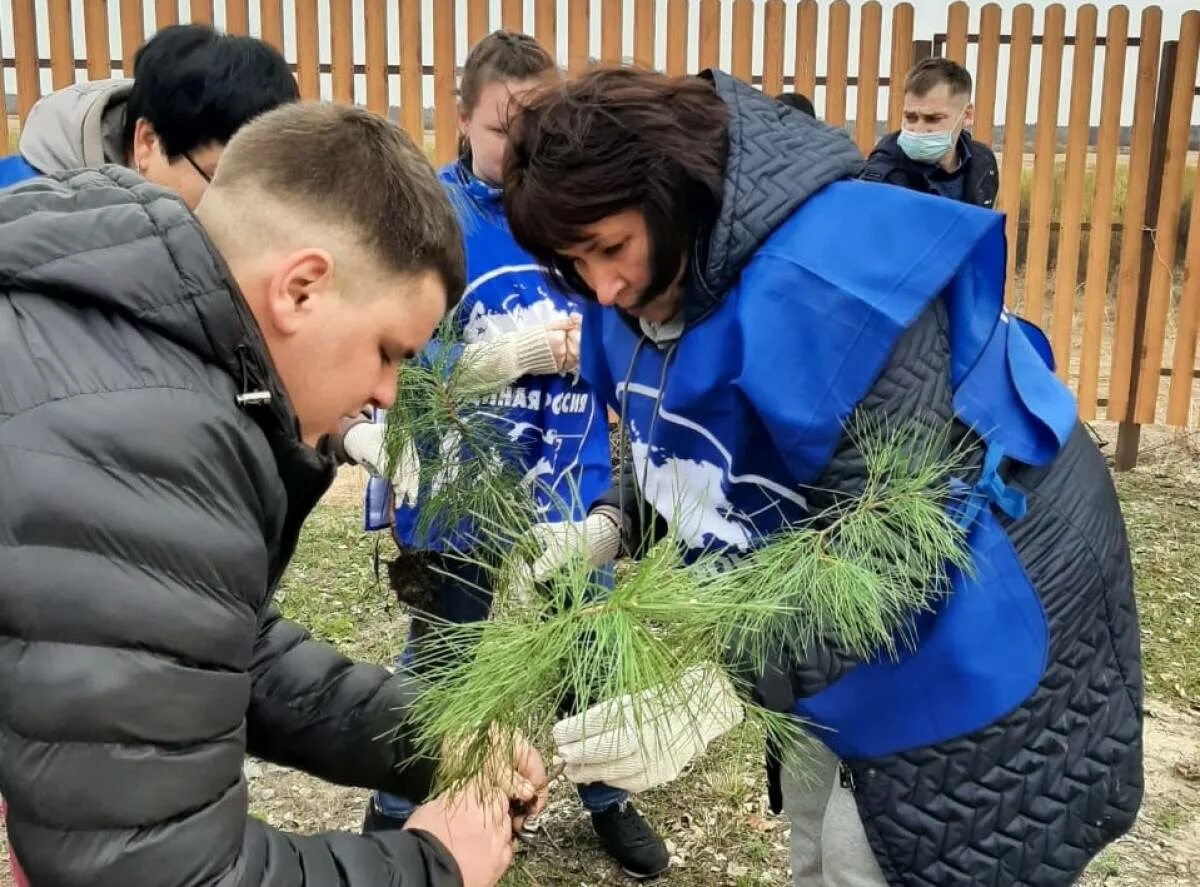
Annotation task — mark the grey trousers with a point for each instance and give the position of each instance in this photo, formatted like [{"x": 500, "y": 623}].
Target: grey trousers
[{"x": 829, "y": 845}]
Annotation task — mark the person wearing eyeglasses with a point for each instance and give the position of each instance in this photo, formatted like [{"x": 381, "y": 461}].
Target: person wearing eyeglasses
[{"x": 192, "y": 89}]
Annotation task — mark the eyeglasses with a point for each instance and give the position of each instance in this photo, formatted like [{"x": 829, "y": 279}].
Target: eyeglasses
[{"x": 196, "y": 167}]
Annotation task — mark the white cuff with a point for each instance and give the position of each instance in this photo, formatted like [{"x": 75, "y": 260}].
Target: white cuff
[
  {"x": 603, "y": 538},
  {"x": 489, "y": 366}
]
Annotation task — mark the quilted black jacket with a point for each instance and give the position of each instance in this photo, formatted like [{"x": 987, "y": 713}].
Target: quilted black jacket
[
  {"x": 145, "y": 519},
  {"x": 1031, "y": 798}
]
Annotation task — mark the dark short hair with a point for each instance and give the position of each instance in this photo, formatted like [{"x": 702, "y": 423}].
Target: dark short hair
[
  {"x": 930, "y": 73},
  {"x": 612, "y": 140},
  {"x": 501, "y": 55},
  {"x": 198, "y": 87},
  {"x": 798, "y": 101},
  {"x": 358, "y": 171}
]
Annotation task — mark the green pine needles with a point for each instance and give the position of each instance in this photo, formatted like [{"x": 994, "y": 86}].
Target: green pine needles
[
  {"x": 468, "y": 481},
  {"x": 853, "y": 576}
]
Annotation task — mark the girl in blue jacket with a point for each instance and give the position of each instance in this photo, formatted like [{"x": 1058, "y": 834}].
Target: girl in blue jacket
[
  {"x": 526, "y": 339},
  {"x": 749, "y": 299}
]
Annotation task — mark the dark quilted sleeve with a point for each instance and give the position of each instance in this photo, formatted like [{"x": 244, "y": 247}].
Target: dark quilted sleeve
[
  {"x": 313, "y": 709},
  {"x": 132, "y": 567}
]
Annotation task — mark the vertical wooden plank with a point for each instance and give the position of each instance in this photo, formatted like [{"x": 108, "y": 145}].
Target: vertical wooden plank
[
  {"x": 644, "y": 16},
  {"x": 308, "y": 72},
  {"x": 957, "y": 24},
  {"x": 741, "y": 58},
  {"x": 986, "y": 70},
  {"x": 341, "y": 51},
  {"x": 610, "y": 31},
  {"x": 445, "y": 115},
  {"x": 477, "y": 21},
  {"x": 774, "y": 25},
  {"x": 95, "y": 35},
  {"x": 133, "y": 33},
  {"x": 201, "y": 12},
  {"x": 62, "y": 44},
  {"x": 237, "y": 16},
  {"x": 166, "y": 12},
  {"x": 1095, "y": 291},
  {"x": 837, "y": 63},
  {"x": 869, "y": 40},
  {"x": 5, "y": 132},
  {"x": 1041, "y": 208},
  {"x": 270, "y": 14},
  {"x": 545, "y": 25},
  {"x": 805, "y": 73},
  {"x": 375, "y": 26},
  {"x": 25, "y": 56},
  {"x": 677, "y": 37},
  {"x": 410, "y": 70},
  {"x": 1071, "y": 215},
  {"x": 1132, "y": 220},
  {"x": 1012, "y": 158},
  {"x": 1167, "y": 227},
  {"x": 1179, "y": 397},
  {"x": 710, "y": 34},
  {"x": 805, "y": 79},
  {"x": 578, "y": 26},
  {"x": 512, "y": 15},
  {"x": 902, "y": 60}
]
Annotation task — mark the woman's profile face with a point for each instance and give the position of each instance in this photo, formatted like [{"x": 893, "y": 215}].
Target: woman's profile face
[{"x": 615, "y": 260}]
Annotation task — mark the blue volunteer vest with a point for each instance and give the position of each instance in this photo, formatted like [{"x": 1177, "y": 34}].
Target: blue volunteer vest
[{"x": 729, "y": 424}]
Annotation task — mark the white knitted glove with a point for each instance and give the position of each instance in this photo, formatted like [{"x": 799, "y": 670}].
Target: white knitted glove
[
  {"x": 637, "y": 743},
  {"x": 542, "y": 350},
  {"x": 598, "y": 538},
  {"x": 364, "y": 444}
]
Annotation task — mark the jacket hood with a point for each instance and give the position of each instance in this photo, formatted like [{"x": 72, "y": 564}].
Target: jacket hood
[
  {"x": 777, "y": 158},
  {"x": 76, "y": 127},
  {"x": 106, "y": 238}
]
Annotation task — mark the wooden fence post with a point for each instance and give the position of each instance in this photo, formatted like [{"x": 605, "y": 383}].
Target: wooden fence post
[{"x": 1129, "y": 431}]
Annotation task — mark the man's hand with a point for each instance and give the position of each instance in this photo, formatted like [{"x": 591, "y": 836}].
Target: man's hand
[
  {"x": 364, "y": 444},
  {"x": 637, "y": 743},
  {"x": 516, "y": 768},
  {"x": 475, "y": 827}
]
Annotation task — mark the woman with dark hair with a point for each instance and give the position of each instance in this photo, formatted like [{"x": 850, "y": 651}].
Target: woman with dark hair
[{"x": 749, "y": 302}]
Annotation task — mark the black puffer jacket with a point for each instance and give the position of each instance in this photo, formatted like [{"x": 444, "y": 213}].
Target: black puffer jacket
[
  {"x": 1032, "y": 797},
  {"x": 145, "y": 520}
]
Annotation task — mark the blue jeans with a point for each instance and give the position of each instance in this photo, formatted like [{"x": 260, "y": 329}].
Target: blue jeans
[{"x": 465, "y": 596}]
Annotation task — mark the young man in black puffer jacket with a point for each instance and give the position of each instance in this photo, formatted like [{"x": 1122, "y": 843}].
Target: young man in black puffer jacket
[{"x": 164, "y": 382}]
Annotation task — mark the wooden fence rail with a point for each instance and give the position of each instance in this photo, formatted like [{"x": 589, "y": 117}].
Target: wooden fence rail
[{"x": 1102, "y": 214}]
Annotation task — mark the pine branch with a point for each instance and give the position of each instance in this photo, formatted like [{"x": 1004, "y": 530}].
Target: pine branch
[
  {"x": 468, "y": 475},
  {"x": 854, "y": 575}
]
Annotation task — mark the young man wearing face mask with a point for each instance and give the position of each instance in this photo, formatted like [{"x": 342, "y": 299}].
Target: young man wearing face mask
[{"x": 933, "y": 152}]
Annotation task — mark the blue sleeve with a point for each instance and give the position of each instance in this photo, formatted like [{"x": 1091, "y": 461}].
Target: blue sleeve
[{"x": 14, "y": 170}]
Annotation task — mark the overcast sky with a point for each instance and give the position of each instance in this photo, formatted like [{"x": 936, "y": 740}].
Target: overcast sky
[{"x": 930, "y": 17}]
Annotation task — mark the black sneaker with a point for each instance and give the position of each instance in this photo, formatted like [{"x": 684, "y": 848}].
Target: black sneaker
[
  {"x": 375, "y": 820},
  {"x": 630, "y": 840}
]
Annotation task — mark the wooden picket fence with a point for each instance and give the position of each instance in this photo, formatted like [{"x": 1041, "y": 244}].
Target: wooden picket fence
[{"x": 1114, "y": 281}]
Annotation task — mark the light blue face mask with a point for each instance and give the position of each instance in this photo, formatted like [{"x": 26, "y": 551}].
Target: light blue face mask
[{"x": 928, "y": 147}]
